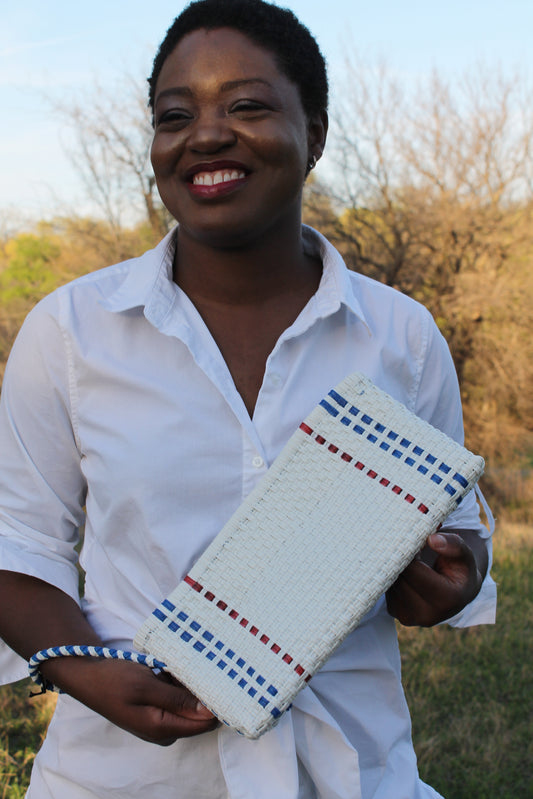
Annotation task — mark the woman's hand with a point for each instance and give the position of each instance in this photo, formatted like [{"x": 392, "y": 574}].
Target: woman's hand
[
  {"x": 155, "y": 708},
  {"x": 441, "y": 580}
]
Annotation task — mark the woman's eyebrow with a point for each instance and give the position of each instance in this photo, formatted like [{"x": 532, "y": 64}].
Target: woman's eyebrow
[
  {"x": 235, "y": 84},
  {"x": 227, "y": 86},
  {"x": 175, "y": 90}
]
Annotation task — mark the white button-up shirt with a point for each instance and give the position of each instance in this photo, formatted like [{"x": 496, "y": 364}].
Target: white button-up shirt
[{"x": 119, "y": 410}]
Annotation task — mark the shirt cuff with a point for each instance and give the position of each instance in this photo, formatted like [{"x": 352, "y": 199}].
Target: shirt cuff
[
  {"x": 482, "y": 609},
  {"x": 58, "y": 573}
]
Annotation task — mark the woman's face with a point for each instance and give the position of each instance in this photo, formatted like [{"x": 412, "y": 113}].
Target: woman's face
[{"x": 232, "y": 141}]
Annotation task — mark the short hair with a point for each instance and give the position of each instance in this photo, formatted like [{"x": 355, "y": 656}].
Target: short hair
[{"x": 275, "y": 29}]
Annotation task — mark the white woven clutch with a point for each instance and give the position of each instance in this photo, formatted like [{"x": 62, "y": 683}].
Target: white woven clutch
[{"x": 343, "y": 509}]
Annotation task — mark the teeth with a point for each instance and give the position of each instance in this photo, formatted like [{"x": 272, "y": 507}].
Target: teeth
[{"x": 213, "y": 178}]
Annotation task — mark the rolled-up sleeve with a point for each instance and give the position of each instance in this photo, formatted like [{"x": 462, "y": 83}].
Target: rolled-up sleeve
[
  {"x": 439, "y": 402},
  {"x": 42, "y": 490}
]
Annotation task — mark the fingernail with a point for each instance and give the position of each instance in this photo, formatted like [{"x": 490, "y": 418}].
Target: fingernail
[
  {"x": 439, "y": 541},
  {"x": 202, "y": 710}
]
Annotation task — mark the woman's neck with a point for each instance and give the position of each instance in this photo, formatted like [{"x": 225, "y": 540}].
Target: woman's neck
[
  {"x": 247, "y": 296},
  {"x": 249, "y": 275}
]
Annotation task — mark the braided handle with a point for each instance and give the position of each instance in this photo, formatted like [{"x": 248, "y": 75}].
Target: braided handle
[{"x": 86, "y": 651}]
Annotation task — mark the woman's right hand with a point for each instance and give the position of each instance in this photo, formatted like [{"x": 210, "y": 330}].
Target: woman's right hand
[{"x": 155, "y": 708}]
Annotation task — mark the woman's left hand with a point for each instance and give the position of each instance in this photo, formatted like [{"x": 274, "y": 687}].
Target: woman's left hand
[{"x": 441, "y": 580}]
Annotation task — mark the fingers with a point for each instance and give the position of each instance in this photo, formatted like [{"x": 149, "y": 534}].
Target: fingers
[
  {"x": 164, "y": 710},
  {"x": 456, "y": 562},
  {"x": 450, "y": 545},
  {"x": 172, "y": 696},
  {"x": 424, "y": 580},
  {"x": 171, "y": 711},
  {"x": 425, "y": 594},
  {"x": 412, "y": 598},
  {"x": 163, "y": 727},
  {"x": 154, "y": 708}
]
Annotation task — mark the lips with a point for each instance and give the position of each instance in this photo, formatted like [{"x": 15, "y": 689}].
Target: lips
[{"x": 218, "y": 177}]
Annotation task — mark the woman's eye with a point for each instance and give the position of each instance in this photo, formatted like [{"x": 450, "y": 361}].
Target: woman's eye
[
  {"x": 251, "y": 106},
  {"x": 174, "y": 116}
]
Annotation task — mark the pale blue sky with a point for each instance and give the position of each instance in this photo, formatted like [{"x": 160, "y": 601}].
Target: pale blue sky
[{"x": 57, "y": 47}]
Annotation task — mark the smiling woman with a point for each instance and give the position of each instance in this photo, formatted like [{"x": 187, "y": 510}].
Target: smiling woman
[
  {"x": 147, "y": 400},
  {"x": 232, "y": 142},
  {"x": 231, "y": 150}
]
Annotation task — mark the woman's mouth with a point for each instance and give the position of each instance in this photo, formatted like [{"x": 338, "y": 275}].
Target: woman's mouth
[{"x": 214, "y": 178}]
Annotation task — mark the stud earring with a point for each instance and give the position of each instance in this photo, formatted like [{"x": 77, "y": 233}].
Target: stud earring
[{"x": 312, "y": 162}]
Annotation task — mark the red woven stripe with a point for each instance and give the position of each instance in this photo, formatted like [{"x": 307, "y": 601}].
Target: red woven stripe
[
  {"x": 358, "y": 465},
  {"x": 196, "y": 586},
  {"x": 234, "y": 614}
]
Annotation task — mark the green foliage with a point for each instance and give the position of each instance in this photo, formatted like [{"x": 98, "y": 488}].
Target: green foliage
[
  {"x": 34, "y": 263},
  {"x": 29, "y": 271},
  {"x": 23, "y": 723}
]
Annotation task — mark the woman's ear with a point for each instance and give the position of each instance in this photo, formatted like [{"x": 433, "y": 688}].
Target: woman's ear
[{"x": 317, "y": 133}]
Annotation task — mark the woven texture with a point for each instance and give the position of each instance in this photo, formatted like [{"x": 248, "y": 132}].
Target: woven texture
[
  {"x": 82, "y": 650},
  {"x": 344, "y": 508}
]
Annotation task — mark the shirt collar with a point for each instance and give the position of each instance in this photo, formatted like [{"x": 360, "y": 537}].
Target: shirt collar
[
  {"x": 336, "y": 286},
  {"x": 149, "y": 284}
]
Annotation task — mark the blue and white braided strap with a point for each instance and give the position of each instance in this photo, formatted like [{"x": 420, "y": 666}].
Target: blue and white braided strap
[{"x": 86, "y": 651}]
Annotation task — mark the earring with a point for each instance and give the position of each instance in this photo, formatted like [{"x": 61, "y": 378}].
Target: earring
[{"x": 312, "y": 162}]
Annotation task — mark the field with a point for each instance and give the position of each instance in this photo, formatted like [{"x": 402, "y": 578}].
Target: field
[{"x": 470, "y": 693}]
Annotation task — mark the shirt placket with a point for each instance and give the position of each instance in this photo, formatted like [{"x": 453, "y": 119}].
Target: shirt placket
[{"x": 254, "y": 465}]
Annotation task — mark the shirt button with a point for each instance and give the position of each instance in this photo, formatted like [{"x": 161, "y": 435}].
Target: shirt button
[
  {"x": 275, "y": 379},
  {"x": 258, "y": 461}
]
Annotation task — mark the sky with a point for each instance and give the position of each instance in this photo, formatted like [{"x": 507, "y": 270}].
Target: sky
[{"x": 57, "y": 49}]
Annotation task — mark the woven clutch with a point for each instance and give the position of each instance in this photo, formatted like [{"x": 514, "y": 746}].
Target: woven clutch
[{"x": 344, "y": 508}]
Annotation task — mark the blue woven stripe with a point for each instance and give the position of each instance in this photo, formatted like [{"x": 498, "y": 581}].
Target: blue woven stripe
[
  {"x": 461, "y": 480},
  {"x": 329, "y": 408},
  {"x": 234, "y": 667},
  {"x": 409, "y": 449},
  {"x": 337, "y": 397}
]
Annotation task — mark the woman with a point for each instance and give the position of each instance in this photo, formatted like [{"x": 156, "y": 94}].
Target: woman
[{"x": 155, "y": 393}]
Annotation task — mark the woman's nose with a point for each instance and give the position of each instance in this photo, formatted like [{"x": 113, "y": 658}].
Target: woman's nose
[{"x": 210, "y": 133}]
